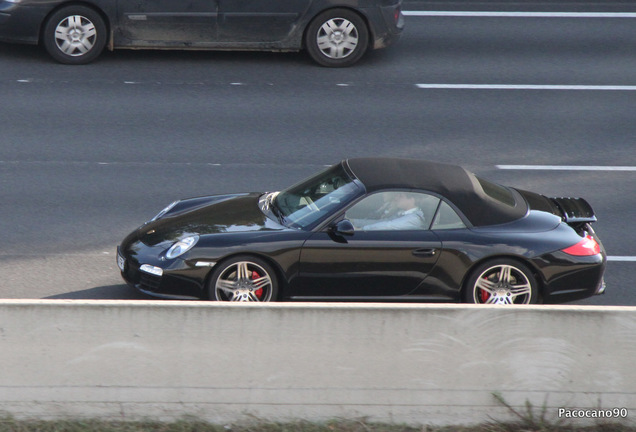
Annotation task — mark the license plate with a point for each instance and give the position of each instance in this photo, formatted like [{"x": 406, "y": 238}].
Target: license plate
[{"x": 121, "y": 262}]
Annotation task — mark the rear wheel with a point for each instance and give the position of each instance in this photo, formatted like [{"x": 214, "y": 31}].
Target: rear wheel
[
  {"x": 75, "y": 35},
  {"x": 501, "y": 281},
  {"x": 337, "y": 38},
  {"x": 243, "y": 279}
]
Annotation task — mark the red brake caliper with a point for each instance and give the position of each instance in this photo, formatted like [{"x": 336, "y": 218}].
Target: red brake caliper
[
  {"x": 258, "y": 292},
  {"x": 483, "y": 294}
]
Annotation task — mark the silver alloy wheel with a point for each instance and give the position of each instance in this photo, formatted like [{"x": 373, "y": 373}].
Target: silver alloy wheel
[
  {"x": 337, "y": 38},
  {"x": 502, "y": 284},
  {"x": 75, "y": 35},
  {"x": 244, "y": 281}
]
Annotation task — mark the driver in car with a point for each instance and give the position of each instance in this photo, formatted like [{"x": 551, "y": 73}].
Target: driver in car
[{"x": 408, "y": 215}]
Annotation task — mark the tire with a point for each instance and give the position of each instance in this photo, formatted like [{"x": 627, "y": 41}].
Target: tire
[
  {"x": 337, "y": 38},
  {"x": 502, "y": 281},
  {"x": 243, "y": 279},
  {"x": 75, "y": 35}
]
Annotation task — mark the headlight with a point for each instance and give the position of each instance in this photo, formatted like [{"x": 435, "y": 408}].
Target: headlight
[
  {"x": 164, "y": 211},
  {"x": 181, "y": 247}
]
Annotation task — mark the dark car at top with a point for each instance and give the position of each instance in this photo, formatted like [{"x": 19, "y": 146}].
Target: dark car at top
[
  {"x": 371, "y": 229},
  {"x": 335, "y": 33}
]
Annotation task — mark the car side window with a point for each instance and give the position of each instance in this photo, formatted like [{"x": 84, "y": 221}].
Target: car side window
[
  {"x": 447, "y": 218},
  {"x": 393, "y": 210}
]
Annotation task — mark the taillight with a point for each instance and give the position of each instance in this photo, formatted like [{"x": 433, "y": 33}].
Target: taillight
[
  {"x": 396, "y": 14},
  {"x": 586, "y": 247}
]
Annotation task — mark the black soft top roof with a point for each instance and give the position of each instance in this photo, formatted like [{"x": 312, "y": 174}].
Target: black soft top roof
[{"x": 453, "y": 182}]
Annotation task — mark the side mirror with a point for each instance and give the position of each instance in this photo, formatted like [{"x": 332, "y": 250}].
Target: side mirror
[{"x": 344, "y": 228}]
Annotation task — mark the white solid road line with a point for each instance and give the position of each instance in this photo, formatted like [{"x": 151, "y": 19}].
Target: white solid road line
[
  {"x": 526, "y": 87},
  {"x": 566, "y": 167},
  {"x": 622, "y": 258},
  {"x": 512, "y": 14}
]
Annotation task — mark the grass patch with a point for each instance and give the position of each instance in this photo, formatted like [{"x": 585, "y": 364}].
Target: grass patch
[
  {"x": 9, "y": 424},
  {"x": 528, "y": 420}
]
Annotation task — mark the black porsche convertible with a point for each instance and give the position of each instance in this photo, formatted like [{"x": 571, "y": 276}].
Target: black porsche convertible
[
  {"x": 371, "y": 229},
  {"x": 335, "y": 33}
]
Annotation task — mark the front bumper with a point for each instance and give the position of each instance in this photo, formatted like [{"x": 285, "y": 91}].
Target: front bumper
[
  {"x": 176, "y": 279},
  {"x": 20, "y": 23}
]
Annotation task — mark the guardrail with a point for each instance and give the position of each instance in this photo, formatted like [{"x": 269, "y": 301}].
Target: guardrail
[{"x": 417, "y": 364}]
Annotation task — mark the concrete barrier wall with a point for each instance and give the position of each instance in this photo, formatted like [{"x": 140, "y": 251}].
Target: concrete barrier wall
[{"x": 417, "y": 364}]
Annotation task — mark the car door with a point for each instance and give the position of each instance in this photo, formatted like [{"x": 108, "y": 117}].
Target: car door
[
  {"x": 377, "y": 260},
  {"x": 258, "y": 21},
  {"x": 179, "y": 23}
]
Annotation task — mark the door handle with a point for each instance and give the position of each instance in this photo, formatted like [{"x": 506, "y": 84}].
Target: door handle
[{"x": 424, "y": 252}]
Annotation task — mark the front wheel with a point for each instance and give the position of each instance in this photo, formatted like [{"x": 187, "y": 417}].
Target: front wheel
[
  {"x": 502, "y": 281},
  {"x": 337, "y": 38},
  {"x": 75, "y": 35},
  {"x": 243, "y": 279}
]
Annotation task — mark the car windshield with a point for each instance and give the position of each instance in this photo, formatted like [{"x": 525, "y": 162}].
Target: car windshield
[{"x": 316, "y": 197}]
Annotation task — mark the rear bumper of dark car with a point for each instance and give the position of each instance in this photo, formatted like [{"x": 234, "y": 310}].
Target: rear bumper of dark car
[
  {"x": 572, "y": 278},
  {"x": 387, "y": 24}
]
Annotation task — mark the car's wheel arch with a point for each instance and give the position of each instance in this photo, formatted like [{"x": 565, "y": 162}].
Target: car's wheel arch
[
  {"x": 538, "y": 276},
  {"x": 89, "y": 5},
  {"x": 280, "y": 274}
]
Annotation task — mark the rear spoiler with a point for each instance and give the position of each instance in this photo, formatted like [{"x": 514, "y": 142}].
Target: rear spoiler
[{"x": 574, "y": 210}]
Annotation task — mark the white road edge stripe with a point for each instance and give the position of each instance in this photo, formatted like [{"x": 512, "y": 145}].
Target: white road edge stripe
[
  {"x": 526, "y": 87},
  {"x": 622, "y": 258},
  {"x": 513, "y": 14},
  {"x": 566, "y": 168}
]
